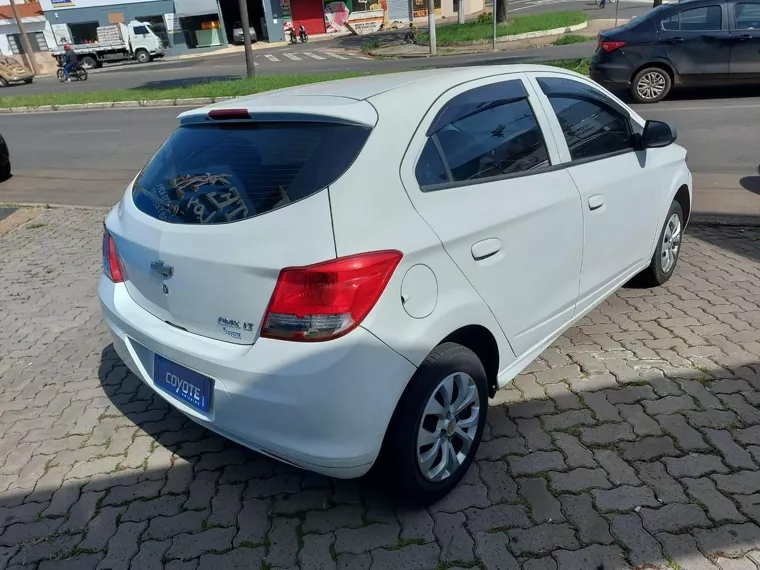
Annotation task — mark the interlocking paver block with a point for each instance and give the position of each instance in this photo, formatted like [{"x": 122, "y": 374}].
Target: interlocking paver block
[
  {"x": 595, "y": 556},
  {"x": 543, "y": 505},
  {"x": 665, "y": 487},
  {"x": 497, "y": 517},
  {"x": 358, "y": 540},
  {"x": 674, "y": 518},
  {"x": 456, "y": 543},
  {"x": 188, "y": 546},
  {"x": 719, "y": 508},
  {"x": 624, "y": 498},
  {"x": 579, "y": 479},
  {"x": 123, "y": 546},
  {"x": 643, "y": 549},
  {"x": 536, "y": 462},
  {"x": 542, "y": 539},
  {"x": 592, "y": 528}
]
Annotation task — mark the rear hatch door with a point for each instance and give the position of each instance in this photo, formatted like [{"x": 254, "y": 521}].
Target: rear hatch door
[{"x": 221, "y": 209}]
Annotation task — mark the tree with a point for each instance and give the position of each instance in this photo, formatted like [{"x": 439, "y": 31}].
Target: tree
[{"x": 502, "y": 7}]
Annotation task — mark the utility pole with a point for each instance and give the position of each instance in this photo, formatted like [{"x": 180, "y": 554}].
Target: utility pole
[
  {"x": 250, "y": 67},
  {"x": 493, "y": 17},
  {"x": 460, "y": 12},
  {"x": 431, "y": 25},
  {"x": 24, "y": 40}
]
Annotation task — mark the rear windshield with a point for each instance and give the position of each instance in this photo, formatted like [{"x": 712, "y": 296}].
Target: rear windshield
[{"x": 214, "y": 174}]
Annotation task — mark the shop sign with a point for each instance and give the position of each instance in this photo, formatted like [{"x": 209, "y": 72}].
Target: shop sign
[
  {"x": 172, "y": 25},
  {"x": 366, "y": 21},
  {"x": 62, "y": 3},
  {"x": 420, "y": 8}
]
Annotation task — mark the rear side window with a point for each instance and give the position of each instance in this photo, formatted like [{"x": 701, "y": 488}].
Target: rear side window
[
  {"x": 704, "y": 19},
  {"x": 212, "y": 174},
  {"x": 747, "y": 16},
  {"x": 485, "y": 133}
]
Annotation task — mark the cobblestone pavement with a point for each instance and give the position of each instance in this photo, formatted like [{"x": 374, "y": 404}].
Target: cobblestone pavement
[{"x": 633, "y": 442}]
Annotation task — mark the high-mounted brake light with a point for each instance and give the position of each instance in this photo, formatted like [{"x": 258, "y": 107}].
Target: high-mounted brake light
[
  {"x": 609, "y": 46},
  {"x": 327, "y": 300},
  {"x": 228, "y": 114},
  {"x": 112, "y": 264}
]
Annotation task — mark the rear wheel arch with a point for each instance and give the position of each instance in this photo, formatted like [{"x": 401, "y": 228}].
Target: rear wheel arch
[
  {"x": 659, "y": 64},
  {"x": 482, "y": 342}
]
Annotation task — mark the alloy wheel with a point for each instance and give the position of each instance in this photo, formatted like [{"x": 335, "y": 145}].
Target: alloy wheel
[
  {"x": 448, "y": 427},
  {"x": 651, "y": 85},
  {"x": 671, "y": 243}
]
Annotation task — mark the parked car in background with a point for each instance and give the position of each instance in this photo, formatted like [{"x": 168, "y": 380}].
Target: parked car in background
[
  {"x": 5, "y": 160},
  {"x": 516, "y": 199},
  {"x": 13, "y": 71},
  {"x": 692, "y": 43},
  {"x": 237, "y": 33}
]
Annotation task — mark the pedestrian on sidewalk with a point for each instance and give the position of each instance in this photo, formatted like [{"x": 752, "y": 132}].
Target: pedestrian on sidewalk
[{"x": 602, "y": 4}]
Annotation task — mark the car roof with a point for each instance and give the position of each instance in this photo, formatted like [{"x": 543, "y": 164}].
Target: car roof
[{"x": 349, "y": 98}]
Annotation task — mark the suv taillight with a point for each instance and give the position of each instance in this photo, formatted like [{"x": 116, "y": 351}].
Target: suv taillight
[
  {"x": 609, "y": 46},
  {"x": 112, "y": 265},
  {"x": 327, "y": 300}
]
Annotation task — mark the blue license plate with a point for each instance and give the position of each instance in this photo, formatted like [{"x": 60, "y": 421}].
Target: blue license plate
[{"x": 182, "y": 383}]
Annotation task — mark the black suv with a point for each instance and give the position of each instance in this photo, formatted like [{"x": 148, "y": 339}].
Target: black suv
[{"x": 692, "y": 43}]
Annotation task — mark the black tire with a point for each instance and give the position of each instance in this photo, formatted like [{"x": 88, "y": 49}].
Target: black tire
[
  {"x": 89, "y": 62},
  {"x": 60, "y": 74},
  {"x": 28, "y": 81},
  {"x": 142, "y": 56},
  {"x": 659, "y": 81},
  {"x": 656, "y": 274},
  {"x": 3, "y": 82},
  {"x": 5, "y": 172},
  {"x": 398, "y": 460},
  {"x": 82, "y": 74}
]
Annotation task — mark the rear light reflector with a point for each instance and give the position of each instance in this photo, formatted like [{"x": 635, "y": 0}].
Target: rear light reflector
[
  {"x": 112, "y": 265},
  {"x": 609, "y": 46},
  {"x": 327, "y": 300},
  {"x": 228, "y": 114}
]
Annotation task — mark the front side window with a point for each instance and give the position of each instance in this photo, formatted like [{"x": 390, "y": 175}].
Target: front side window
[
  {"x": 747, "y": 16},
  {"x": 482, "y": 134},
  {"x": 213, "y": 174},
  {"x": 141, "y": 30},
  {"x": 704, "y": 19},
  {"x": 591, "y": 123}
]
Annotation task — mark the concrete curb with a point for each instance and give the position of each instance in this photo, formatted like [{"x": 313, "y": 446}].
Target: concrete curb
[{"x": 198, "y": 102}]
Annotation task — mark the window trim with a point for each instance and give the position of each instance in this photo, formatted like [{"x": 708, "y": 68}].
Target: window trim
[{"x": 457, "y": 183}]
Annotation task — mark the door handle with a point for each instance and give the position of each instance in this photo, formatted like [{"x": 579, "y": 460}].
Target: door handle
[
  {"x": 674, "y": 40},
  {"x": 595, "y": 202},
  {"x": 742, "y": 38},
  {"x": 486, "y": 248}
]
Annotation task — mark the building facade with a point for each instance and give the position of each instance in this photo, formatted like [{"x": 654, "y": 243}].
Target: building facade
[{"x": 37, "y": 28}]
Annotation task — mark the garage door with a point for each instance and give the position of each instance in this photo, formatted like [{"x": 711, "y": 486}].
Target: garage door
[{"x": 310, "y": 14}]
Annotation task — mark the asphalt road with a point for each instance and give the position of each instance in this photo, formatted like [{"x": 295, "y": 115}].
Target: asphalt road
[{"x": 87, "y": 158}]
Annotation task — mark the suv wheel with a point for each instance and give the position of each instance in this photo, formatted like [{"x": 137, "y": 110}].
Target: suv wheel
[
  {"x": 651, "y": 85},
  {"x": 437, "y": 426}
]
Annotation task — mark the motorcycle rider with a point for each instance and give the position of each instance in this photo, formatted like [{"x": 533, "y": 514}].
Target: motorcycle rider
[
  {"x": 302, "y": 33},
  {"x": 70, "y": 61}
]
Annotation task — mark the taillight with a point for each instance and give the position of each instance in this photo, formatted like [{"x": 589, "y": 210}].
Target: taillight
[
  {"x": 228, "y": 114},
  {"x": 327, "y": 300},
  {"x": 112, "y": 265},
  {"x": 609, "y": 46}
]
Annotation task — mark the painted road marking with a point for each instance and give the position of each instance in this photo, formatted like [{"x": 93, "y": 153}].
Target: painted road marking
[
  {"x": 313, "y": 56},
  {"x": 270, "y": 57},
  {"x": 291, "y": 56},
  {"x": 335, "y": 55}
]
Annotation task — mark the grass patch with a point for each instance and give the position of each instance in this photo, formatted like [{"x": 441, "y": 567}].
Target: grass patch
[
  {"x": 567, "y": 39},
  {"x": 452, "y": 34},
  {"x": 235, "y": 88}
]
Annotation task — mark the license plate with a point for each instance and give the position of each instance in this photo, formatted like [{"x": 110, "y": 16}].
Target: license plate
[{"x": 182, "y": 383}]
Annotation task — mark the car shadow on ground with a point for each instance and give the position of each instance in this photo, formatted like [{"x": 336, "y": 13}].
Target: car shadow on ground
[{"x": 184, "y": 82}]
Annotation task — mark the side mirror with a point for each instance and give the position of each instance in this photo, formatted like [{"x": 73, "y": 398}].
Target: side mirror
[{"x": 658, "y": 135}]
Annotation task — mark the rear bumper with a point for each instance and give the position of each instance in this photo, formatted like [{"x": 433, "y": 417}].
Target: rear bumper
[
  {"x": 611, "y": 74},
  {"x": 320, "y": 406}
]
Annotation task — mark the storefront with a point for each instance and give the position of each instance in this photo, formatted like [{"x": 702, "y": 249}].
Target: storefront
[{"x": 37, "y": 30}]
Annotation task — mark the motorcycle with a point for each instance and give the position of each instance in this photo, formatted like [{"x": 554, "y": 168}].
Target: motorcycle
[
  {"x": 302, "y": 35},
  {"x": 79, "y": 73}
]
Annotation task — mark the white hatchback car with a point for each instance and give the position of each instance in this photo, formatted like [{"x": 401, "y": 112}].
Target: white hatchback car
[{"x": 344, "y": 272}]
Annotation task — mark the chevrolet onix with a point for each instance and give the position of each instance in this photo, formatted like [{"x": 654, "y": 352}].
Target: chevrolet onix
[{"x": 341, "y": 274}]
